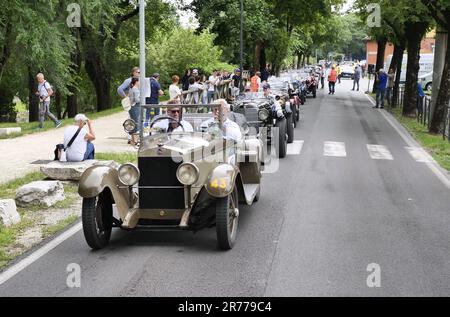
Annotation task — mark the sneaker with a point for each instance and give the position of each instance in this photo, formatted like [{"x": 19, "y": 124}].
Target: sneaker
[
  {"x": 375, "y": 107},
  {"x": 382, "y": 107},
  {"x": 57, "y": 124}
]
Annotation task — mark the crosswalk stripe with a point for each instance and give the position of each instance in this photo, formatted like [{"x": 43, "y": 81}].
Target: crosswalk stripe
[
  {"x": 295, "y": 148},
  {"x": 336, "y": 149},
  {"x": 379, "y": 152},
  {"x": 418, "y": 154}
]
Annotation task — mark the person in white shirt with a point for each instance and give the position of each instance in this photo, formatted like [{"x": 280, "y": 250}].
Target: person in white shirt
[
  {"x": 231, "y": 130},
  {"x": 82, "y": 147},
  {"x": 45, "y": 92},
  {"x": 174, "y": 90},
  {"x": 214, "y": 80},
  {"x": 172, "y": 125}
]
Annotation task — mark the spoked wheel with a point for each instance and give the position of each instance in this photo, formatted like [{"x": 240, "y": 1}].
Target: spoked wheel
[
  {"x": 97, "y": 220},
  {"x": 227, "y": 215}
]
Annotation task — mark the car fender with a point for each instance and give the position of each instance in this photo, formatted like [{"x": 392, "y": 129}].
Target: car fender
[{"x": 220, "y": 182}]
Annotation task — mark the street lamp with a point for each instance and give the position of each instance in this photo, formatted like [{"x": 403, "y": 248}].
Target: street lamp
[
  {"x": 142, "y": 62},
  {"x": 242, "y": 47}
]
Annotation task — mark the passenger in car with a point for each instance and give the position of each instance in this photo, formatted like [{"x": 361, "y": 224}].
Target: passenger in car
[{"x": 231, "y": 129}]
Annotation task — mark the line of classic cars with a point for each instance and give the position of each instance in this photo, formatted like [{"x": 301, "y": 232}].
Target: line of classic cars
[{"x": 190, "y": 180}]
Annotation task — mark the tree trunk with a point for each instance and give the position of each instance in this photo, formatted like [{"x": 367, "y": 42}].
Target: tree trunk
[
  {"x": 58, "y": 105},
  {"x": 443, "y": 97},
  {"x": 262, "y": 58},
  {"x": 380, "y": 60},
  {"x": 299, "y": 60},
  {"x": 398, "y": 58},
  {"x": 33, "y": 101},
  {"x": 438, "y": 66},
  {"x": 415, "y": 33},
  {"x": 6, "y": 50},
  {"x": 72, "y": 100},
  {"x": 256, "y": 62},
  {"x": 99, "y": 75}
]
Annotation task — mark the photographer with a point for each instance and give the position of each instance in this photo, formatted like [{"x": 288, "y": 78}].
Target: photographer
[{"x": 81, "y": 147}]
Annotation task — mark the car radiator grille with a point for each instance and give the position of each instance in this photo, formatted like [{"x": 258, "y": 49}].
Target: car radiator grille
[
  {"x": 250, "y": 113},
  {"x": 159, "y": 171}
]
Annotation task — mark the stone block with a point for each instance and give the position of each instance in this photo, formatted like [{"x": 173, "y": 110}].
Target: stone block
[
  {"x": 41, "y": 192},
  {"x": 8, "y": 212}
]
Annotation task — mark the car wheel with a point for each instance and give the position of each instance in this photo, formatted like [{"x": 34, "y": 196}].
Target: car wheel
[
  {"x": 97, "y": 221},
  {"x": 227, "y": 216},
  {"x": 282, "y": 140},
  {"x": 314, "y": 92},
  {"x": 290, "y": 127}
]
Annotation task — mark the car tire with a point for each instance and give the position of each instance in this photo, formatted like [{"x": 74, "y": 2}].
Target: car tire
[
  {"x": 282, "y": 140},
  {"x": 227, "y": 220},
  {"x": 96, "y": 217},
  {"x": 314, "y": 92},
  {"x": 290, "y": 127}
]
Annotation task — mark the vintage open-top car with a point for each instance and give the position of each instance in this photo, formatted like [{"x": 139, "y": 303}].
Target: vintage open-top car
[{"x": 182, "y": 181}]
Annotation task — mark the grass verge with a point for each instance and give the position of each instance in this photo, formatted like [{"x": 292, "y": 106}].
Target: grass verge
[
  {"x": 434, "y": 144},
  {"x": 122, "y": 158}
]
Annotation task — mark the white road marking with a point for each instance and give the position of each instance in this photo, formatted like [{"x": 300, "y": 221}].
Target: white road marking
[
  {"x": 36, "y": 255},
  {"x": 418, "y": 154},
  {"x": 295, "y": 148},
  {"x": 379, "y": 152},
  {"x": 336, "y": 149},
  {"x": 432, "y": 164}
]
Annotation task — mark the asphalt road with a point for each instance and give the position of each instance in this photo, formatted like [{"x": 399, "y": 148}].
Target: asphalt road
[{"x": 321, "y": 220}]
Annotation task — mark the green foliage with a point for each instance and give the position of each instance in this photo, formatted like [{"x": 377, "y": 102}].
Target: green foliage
[{"x": 173, "y": 52}]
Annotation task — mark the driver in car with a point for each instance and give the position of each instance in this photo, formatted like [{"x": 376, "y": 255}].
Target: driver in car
[
  {"x": 175, "y": 125},
  {"x": 231, "y": 130},
  {"x": 276, "y": 105}
]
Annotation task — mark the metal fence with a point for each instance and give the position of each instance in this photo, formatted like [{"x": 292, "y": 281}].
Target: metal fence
[{"x": 424, "y": 112}]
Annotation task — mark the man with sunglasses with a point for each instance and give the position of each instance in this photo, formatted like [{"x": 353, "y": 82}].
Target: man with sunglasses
[
  {"x": 231, "y": 129},
  {"x": 124, "y": 88},
  {"x": 172, "y": 125}
]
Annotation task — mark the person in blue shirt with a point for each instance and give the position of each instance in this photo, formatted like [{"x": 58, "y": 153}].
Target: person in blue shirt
[
  {"x": 381, "y": 89},
  {"x": 155, "y": 93},
  {"x": 420, "y": 97}
]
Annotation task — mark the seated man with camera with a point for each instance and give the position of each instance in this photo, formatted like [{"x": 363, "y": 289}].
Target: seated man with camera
[{"x": 78, "y": 145}]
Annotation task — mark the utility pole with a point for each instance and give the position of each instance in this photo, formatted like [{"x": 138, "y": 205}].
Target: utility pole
[
  {"x": 242, "y": 47},
  {"x": 142, "y": 63}
]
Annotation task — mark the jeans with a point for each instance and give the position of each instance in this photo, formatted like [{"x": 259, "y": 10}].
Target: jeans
[
  {"x": 355, "y": 82},
  {"x": 150, "y": 113},
  {"x": 90, "y": 151},
  {"x": 44, "y": 110},
  {"x": 331, "y": 86},
  {"x": 135, "y": 115},
  {"x": 381, "y": 95},
  {"x": 211, "y": 96},
  {"x": 389, "y": 95}
]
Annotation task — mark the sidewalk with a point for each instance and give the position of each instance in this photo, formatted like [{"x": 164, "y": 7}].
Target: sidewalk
[{"x": 18, "y": 156}]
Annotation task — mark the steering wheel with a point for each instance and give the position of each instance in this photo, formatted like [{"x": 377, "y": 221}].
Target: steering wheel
[{"x": 167, "y": 118}]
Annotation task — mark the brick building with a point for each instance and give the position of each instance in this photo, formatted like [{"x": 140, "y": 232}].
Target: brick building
[{"x": 427, "y": 46}]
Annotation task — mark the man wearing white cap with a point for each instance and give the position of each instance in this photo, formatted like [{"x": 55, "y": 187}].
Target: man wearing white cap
[{"x": 77, "y": 141}]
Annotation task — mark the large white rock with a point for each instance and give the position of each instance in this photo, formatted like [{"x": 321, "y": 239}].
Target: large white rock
[
  {"x": 42, "y": 192},
  {"x": 8, "y": 212},
  {"x": 65, "y": 171},
  {"x": 8, "y": 131}
]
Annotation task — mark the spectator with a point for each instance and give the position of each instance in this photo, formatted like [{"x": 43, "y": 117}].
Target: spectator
[
  {"x": 185, "y": 80},
  {"x": 356, "y": 77},
  {"x": 338, "y": 69},
  {"x": 255, "y": 82},
  {"x": 174, "y": 90},
  {"x": 81, "y": 148},
  {"x": 236, "y": 82},
  {"x": 381, "y": 89},
  {"x": 322, "y": 76},
  {"x": 420, "y": 97},
  {"x": 390, "y": 86},
  {"x": 332, "y": 78},
  {"x": 195, "y": 87},
  {"x": 213, "y": 82},
  {"x": 45, "y": 92},
  {"x": 155, "y": 93},
  {"x": 265, "y": 74},
  {"x": 225, "y": 75},
  {"x": 135, "y": 110}
]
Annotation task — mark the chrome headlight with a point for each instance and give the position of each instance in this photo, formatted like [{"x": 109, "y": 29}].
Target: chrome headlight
[
  {"x": 129, "y": 174},
  {"x": 187, "y": 174},
  {"x": 129, "y": 125},
  {"x": 263, "y": 114}
]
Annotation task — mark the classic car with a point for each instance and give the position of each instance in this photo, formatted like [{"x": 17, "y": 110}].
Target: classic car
[
  {"x": 182, "y": 181},
  {"x": 260, "y": 115}
]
